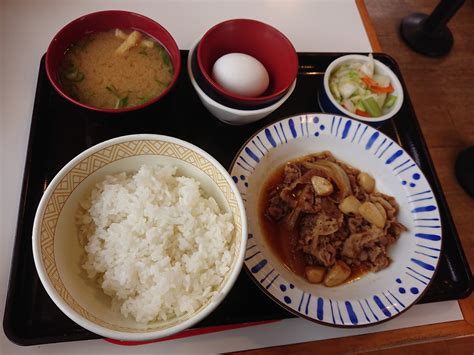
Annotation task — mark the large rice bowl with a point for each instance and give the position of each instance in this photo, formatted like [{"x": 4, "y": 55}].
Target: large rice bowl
[{"x": 154, "y": 243}]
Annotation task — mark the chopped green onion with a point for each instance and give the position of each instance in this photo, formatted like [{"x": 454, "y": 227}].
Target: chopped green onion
[
  {"x": 158, "y": 48},
  {"x": 79, "y": 76},
  {"x": 113, "y": 90},
  {"x": 144, "y": 98},
  {"x": 166, "y": 58},
  {"x": 122, "y": 102},
  {"x": 159, "y": 82}
]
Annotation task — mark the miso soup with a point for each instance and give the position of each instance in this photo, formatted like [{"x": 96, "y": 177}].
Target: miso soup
[{"x": 116, "y": 69}]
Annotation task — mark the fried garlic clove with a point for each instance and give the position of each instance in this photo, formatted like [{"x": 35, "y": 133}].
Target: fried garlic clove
[
  {"x": 371, "y": 213},
  {"x": 321, "y": 186}
]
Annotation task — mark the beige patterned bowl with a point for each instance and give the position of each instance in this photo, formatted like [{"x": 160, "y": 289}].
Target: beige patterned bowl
[{"x": 58, "y": 254}]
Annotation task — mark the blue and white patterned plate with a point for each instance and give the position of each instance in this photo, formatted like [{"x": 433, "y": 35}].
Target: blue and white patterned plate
[{"x": 376, "y": 297}]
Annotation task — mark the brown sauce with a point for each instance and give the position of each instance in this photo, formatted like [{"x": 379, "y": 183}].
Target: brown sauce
[
  {"x": 357, "y": 271},
  {"x": 283, "y": 241}
]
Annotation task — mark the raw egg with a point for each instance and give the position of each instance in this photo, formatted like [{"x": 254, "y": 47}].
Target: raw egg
[{"x": 241, "y": 74}]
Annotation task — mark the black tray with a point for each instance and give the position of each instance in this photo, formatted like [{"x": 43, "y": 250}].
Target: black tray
[{"x": 60, "y": 131}]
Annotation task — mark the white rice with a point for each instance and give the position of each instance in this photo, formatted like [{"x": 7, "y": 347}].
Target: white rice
[{"x": 155, "y": 244}]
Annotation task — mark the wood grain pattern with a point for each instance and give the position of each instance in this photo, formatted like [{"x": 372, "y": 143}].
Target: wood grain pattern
[
  {"x": 442, "y": 92},
  {"x": 369, "y": 28}
]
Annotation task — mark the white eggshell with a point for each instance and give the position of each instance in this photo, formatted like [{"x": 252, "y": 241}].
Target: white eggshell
[{"x": 241, "y": 74}]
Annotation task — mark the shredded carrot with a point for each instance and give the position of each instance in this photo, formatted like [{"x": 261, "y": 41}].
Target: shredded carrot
[
  {"x": 381, "y": 90},
  {"x": 369, "y": 81},
  {"x": 361, "y": 113},
  {"x": 374, "y": 86}
]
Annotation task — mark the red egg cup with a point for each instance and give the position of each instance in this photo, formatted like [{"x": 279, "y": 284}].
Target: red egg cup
[
  {"x": 257, "y": 39},
  {"x": 104, "y": 21}
]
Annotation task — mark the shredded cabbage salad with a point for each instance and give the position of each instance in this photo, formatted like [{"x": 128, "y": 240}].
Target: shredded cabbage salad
[{"x": 357, "y": 87}]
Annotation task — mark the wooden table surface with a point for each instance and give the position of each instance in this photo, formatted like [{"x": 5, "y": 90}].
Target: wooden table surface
[{"x": 442, "y": 93}]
